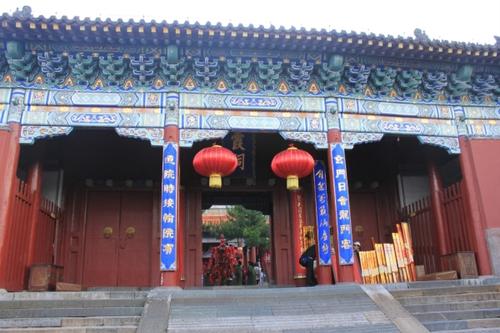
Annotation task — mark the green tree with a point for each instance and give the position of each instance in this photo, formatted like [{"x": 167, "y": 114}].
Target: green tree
[{"x": 246, "y": 224}]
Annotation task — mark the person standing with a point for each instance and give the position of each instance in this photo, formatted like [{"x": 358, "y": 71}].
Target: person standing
[
  {"x": 238, "y": 274},
  {"x": 307, "y": 260},
  {"x": 258, "y": 270},
  {"x": 251, "y": 280}
]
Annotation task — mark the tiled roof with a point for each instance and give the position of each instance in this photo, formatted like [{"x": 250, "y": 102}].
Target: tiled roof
[{"x": 67, "y": 30}]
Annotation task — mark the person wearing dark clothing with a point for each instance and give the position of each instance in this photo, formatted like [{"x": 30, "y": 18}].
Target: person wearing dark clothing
[
  {"x": 251, "y": 280},
  {"x": 238, "y": 274},
  {"x": 307, "y": 260}
]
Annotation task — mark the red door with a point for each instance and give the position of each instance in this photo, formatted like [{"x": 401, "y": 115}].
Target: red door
[
  {"x": 364, "y": 218},
  {"x": 118, "y": 239}
]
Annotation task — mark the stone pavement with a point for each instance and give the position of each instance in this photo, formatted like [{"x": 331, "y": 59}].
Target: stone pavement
[{"x": 340, "y": 308}]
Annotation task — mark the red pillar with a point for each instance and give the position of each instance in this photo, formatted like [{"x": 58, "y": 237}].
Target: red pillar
[
  {"x": 9, "y": 158},
  {"x": 436, "y": 193},
  {"x": 297, "y": 215},
  {"x": 345, "y": 273},
  {"x": 172, "y": 278},
  {"x": 475, "y": 214},
  {"x": 35, "y": 182}
]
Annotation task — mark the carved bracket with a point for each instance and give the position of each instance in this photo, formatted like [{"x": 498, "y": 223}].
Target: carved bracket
[
  {"x": 153, "y": 135},
  {"x": 449, "y": 143},
  {"x": 318, "y": 139},
  {"x": 188, "y": 136},
  {"x": 349, "y": 139},
  {"x": 31, "y": 133}
]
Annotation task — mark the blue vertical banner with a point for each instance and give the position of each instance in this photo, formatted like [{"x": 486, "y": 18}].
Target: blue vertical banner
[
  {"x": 342, "y": 207},
  {"x": 322, "y": 213},
  {"x": 169, "y": 208}
]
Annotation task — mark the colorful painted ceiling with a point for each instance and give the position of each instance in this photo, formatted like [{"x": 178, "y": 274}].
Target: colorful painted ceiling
[{"x": 107, "y": 55}]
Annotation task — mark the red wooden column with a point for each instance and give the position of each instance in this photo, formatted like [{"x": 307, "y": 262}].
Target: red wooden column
[
  {"x": 35, "y": 183},
  {"x": 436, "y": 194},
  {"x": 9, "y": 158},
  {"x": 297, "y": 215},
  {"x": 172, "y": 277},
  {"x": 475, "y": 214},
  {"x": 344, "y": 273}
]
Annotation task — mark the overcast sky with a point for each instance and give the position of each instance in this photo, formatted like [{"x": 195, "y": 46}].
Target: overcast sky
[{"x": 460, "y": 20}]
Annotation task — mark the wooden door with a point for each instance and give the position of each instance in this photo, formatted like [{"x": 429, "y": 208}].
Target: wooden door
[
  {"x": 134, "y": 250},
  {"x": 193, "y": 239},
  {"x": 282, "y": 240},
  {"x": 364, "y": 218},
  {"x": 118, "y": 239},
  {"x": 101, "y": 239}
]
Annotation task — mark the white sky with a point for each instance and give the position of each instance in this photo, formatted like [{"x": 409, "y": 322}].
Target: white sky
[{"x": 460, "y": 20}]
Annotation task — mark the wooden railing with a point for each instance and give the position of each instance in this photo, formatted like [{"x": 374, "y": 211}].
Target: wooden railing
[
  {"x": 419, "y": 214},
  {"x": 18, "y": 240},
  {"x": 423, "y": 228},
  {"x": 31, "y": 235},
  {"x": 454, "y": 207}
]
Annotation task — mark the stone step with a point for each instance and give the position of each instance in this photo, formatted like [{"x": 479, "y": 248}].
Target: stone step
[
  {"x": 474, "y": 330},
  {"x": 89, "y": 329},
  {"x": 327, "y": 329},
  {"x": 101, "y": 321},
  {"x": 80, "y": 295},
  {"x": 81, "y": 303},
  {"x": 418, "y": 300},
  {"x": 457, "y": 315},
  {"x": 439, "y": 307},
  {"x": 245, "y": 323},
  {"x": 458, "y": 290},
  {"x": 457, "y": 325},
  {"x": 71, "y": 312},
  {"x": 69, "y": 322}
]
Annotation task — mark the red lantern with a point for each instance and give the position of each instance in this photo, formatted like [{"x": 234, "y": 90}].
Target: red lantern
[
  {"x": 292, "y": 164},
  {"x": 215, "y": 162}
]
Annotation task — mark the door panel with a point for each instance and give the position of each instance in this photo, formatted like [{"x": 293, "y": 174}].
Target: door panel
[
  {"x": 134, "y": 256},
  {"x": 281, "y": 234},
  {"x": 364, "y": 218},
  {"x": 193, "y": 266},
  {"x": 101, "y": 252}
]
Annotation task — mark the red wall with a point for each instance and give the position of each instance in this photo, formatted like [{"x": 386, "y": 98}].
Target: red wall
[{"x": 486, "y": 161}]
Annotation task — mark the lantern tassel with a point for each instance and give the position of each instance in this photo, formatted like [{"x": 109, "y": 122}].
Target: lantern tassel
[
  {"x": 292, "y": 183},
  {"x": 215, "y": 181}
]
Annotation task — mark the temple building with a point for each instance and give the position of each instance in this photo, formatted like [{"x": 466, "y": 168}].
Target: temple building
[{"x": 100, "y": 122}]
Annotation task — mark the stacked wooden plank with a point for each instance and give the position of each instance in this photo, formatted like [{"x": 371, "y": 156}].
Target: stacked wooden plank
[{"x": 390, "y": 262}]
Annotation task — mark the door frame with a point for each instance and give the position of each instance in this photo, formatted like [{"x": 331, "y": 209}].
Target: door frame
[
  {"x": 155, "y": 229},
  {"x": 280, "y": 230}
]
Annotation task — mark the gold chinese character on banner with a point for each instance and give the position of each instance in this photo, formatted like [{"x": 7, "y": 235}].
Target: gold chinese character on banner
[
  {"x": 343, "y": 214},
  {"x": 346, "y": 244},
  {"x": 345, "y": 228},
  {"x": 238, "y": 141},
  {"x": 169, "y": 159},
  {"x": 339, "y": 159},
  {"x": 168, "y": 248},
  {"x": 168, "y": 174},
  {"x": 168, "y": 233},
  {"x": 168, "y": 218},
  {"x": 342, "y": 200}
]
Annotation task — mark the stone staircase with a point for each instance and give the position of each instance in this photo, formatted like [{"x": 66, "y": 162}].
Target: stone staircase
[
  {"x": 341, "y": 308},
  {"x": 467, "y": 309},
  {"x": 61, "y": 312}
]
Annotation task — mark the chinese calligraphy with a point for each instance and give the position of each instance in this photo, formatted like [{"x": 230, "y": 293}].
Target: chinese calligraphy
[
  {"x": 340, "y": 181},
  {"x": 322, "y": 215},
  {"x": 169, "y": 208}
]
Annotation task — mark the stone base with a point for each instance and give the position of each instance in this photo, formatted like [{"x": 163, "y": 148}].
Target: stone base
[{"x": 493, "y": 241}]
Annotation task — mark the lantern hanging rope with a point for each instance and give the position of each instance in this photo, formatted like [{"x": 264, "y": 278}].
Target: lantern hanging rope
[
  {"x": 292, "y": 164},
  {"x": 215, "y": 162}
]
